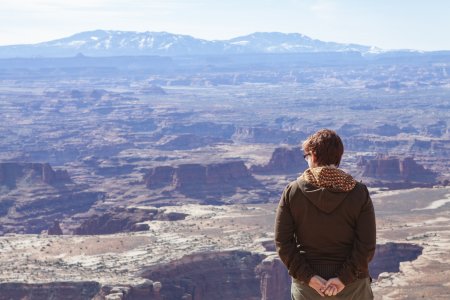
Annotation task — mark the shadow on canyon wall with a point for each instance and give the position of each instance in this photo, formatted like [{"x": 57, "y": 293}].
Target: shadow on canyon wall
[{"x": 246, "y": 275}]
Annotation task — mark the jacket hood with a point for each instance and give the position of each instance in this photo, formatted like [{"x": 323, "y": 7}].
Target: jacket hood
[{"x": 326, "y": 187}]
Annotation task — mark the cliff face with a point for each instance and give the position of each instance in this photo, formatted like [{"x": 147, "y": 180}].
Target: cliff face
[
  {"x": 50, "y": 195},
  {"x": 55, "y": 229},
  {"x": 283, "y": 161},
  {"x": 55, "y": 290},
  {"x": 80, "y": 290},
  {"x": 388, "y": 257},
  {"x": 396, "y": 169},
  {"x": 220, "y": 275},
  {"x": 243, "y": 275},
  {"x": 159, "y": 177},
  {"x": 37, "y": 215},
  {"x": 202, "y": 181},
  {"x": 275, "y": 281},
  {"x": 10, "y": 173}
]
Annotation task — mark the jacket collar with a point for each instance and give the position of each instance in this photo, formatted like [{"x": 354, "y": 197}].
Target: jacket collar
[
  {"x": 329, "y": 177},
  {"x": 326, "y": 187}
]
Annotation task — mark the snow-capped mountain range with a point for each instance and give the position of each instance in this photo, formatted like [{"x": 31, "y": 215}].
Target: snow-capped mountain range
[{"x": 114, "y": 43}]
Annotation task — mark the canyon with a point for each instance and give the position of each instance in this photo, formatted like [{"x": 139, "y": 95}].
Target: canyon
[{"x": 158, "y": 177}]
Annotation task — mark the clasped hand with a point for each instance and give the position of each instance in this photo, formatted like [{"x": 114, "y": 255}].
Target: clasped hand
[{"x": 326, "y": 288}]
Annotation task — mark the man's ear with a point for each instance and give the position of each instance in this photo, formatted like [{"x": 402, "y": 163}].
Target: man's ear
[{"x": 313, "y": 158}]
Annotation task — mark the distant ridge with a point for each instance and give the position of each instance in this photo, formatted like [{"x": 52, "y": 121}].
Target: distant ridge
[{"x": 126, "y": 43}]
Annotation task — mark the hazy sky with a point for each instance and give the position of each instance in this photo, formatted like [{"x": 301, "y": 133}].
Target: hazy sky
[{"x": 388, "y": 24}]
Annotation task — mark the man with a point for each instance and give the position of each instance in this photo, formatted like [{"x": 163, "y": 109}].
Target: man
[{"x": 325, "y": 226}]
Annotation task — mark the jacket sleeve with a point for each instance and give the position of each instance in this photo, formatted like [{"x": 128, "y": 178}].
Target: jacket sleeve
[
  {"x": 285, "y": 241},
  {"x": 363, "y": 246}
]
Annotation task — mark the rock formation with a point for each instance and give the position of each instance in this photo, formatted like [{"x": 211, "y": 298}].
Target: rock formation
[
  {"x": 190, "y": 277},
  {"x": 55, "y": 229},
  {"x": 198, "y": 180},
  {"x": 146, "y": 290},
  {"x": 275, "y": 281},
  {"x": 187, "y": 141},
  {"x": 283, "y": 161},
  {"x": 393, "y": 169},
  {"x": 243, "y": 275},
  {"x": 438, "y": 129},
  {"x": 37, "y": 215},
  {"x": 159, "y": 177},
  {"x": 50, "y": 195},
  {"x": 388, "y": 257},
  {"x": 120, "y": 219},
  {"x": 232, "y": 274},
  {"x": 387, "y": 130},
  {"x": 12, "y": 172},
  {"x": 153, "y": 89},
  {"x": 55, "y": 290}
]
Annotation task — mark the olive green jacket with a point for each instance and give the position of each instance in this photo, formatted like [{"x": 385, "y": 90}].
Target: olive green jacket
[{"x": 326, "y": 233}]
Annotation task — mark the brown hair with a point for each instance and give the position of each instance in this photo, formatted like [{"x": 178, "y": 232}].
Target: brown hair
[{"x": 327, "y": 147}]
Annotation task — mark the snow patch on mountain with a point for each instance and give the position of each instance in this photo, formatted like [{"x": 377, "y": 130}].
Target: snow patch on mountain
[
  {"x": 77, "y": 43},
  {"x": 240, "y": 43}
]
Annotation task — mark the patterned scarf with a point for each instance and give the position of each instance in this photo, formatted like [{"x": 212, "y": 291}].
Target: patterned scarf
[{"x": 329, "y": 177}]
